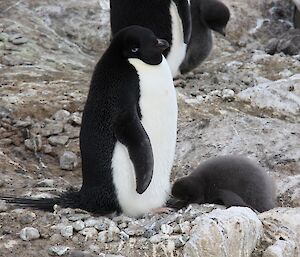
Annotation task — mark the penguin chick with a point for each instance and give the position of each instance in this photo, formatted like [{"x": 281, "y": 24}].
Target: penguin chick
[
  {"x": 227, "y": 180},
  {"x": 207, "y": 15}
]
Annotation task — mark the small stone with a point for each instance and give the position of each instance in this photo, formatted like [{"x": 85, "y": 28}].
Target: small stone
[
  {"x": 134, "y": 229},
  {"x": 47, "y": 148},
  {"x": 52, "y": 129},
  {"x": 4, "y": 112},
  {"x": 124, "y": 236},
  {"x": 89, "y": 233},
  {"x": 75, "y": 119},
  {"x": 228, "y": 95},
  {"x": 78, "y": 225},
  {"x": 29, "y": 233},
  {"x": 61, "y": 115},
  {"x": 23, "y": 123},
  {"x": 166, "y": 229},
  {"x": 158, "y": 238},
  {"x": 45, "y": 183},
  {"x": 78, "y": 216},
  {"x": 113, "y": 233},
  {"x": 76, "y": 253},
  {"x": 66, "y": 231},
  {"x": 3, "y": 206},
  {"x": 185, "y": 227},
  {"x": 56, "y": 238},
  {"x": 5, "y": 142},
  {"x": 17, "y": 39},
  {"x": 27, "y": 218},
  {"x": 2, "y": 183},
  {"x": 34, "y": 143},
  {"x": 58, "y": 250},
  {"x": 68, "y": 161},
  {"x": 100, "y": 224},
  {"x": 58, "y": 140},
  {"x": 103, "y": 236},
  {"x": 71, "y": 132}
]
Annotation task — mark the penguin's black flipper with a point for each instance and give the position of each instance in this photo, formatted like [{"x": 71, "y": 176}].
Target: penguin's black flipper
[
  {"x": 230, "y": 198},
  {"x": 130, "y": 132},
  {"x": 185, "y": 15}
]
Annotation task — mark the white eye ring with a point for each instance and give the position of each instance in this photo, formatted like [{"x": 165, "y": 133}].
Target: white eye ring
[{"x": 134, "y": 50}]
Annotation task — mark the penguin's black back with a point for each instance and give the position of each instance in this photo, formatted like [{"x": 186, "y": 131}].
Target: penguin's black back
[{"x": 152, "y": 14}]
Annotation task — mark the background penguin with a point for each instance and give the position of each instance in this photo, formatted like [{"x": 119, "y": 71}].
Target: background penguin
[
  {"x": 207, "y": 15},
  {"x": 128, "y": 133},
  {"x": 296, "y": 18},
  {"x": 227, "y": 180},
  {"x": 168, "y": 19}
]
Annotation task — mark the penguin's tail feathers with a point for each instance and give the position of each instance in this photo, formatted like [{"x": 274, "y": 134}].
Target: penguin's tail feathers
[{"x": 71, "y": 199}]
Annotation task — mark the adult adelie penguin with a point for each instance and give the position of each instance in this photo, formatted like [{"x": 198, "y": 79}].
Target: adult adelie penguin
[
  {"x": 128, "y": 133},
  {"x": 228, "y": 180},
  {"x": 207, "y": 15},
  {"x": 168, "y": 19}
]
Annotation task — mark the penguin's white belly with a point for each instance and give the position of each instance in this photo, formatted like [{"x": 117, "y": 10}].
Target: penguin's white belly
[
  {"x": 159, "y": 118},
  {"x": 178, "y": 47}
]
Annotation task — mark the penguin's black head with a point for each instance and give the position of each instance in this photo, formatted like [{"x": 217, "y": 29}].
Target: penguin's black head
[
  {"x": 188, "y": 189},
  {"x": 141, "y": 43},
  {"x": 216, "y": 15}
]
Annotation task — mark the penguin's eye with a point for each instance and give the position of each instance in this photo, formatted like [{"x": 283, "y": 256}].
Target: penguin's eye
[{"x": 134, "y": 50}]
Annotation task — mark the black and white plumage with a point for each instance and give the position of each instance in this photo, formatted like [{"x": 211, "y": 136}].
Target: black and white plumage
[
  {"x": 227, "y": 180},
  {"x": 168, "y": 19},
  {"x": 207, "y": 15},
  {"x": 128, "y": 132}
]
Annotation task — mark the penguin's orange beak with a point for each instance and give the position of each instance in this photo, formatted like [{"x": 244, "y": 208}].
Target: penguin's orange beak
[{"x": 162, "y": 44}]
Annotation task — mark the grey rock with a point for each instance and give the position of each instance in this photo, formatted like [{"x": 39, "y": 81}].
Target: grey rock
[
  {"x": 4, "y": 112},
  {"x": 52, "y": 129},
  {"x": 29, "y": 233},
  {"x": 47, "y": 148},
  {"x": 5, "y": 142},
  {"x": 2, "y": 182},
  {"x": 281, "y": 248},
  {"x": 3, "y": 206},
  {"x": 45, "y": 183},
  {"x": 34, "y": 143},
  {"x": 166, "y": 229},
  {"x": 236, "y": 229},
  {"x": 24, "y": 123},
  {"x": 159, "y": 238},
  {"x": 135, "y": 229},
  {"x": 66, "y": 231},
  {"x": 78, "y": 216},
  {"x": 124, "y": 236},
  {"x": 89, "y": 233},
  {"x": 17, "y": 39},
  {"x": 76, "y": 253},
  {"x": 61, "y": 115},
  {"x": 70, "y": 131},
  {"x": 100, "y": 224},
  {"x": 56, "y": 238},
  {"x": 58, "y": 140},
  {"x": 27, "y": 217},
  {"x": 275, "y": 96},
  {"x": 75, "y": 119},
  {"x": 58, "y": 250},
  {"x": 228, "y": 95},
  {"x": 68, "y": 161},
  {"x": 78, "y": 225},
  {"x": 103, "y": 236}
]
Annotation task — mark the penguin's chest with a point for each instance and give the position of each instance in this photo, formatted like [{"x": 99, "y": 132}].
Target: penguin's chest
[
  {"x": 178, "y": 47},
  {"x": 158, "y": 107}
]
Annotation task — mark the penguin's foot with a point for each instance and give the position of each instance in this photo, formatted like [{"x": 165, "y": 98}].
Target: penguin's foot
[{"x": 162, "y": 210}]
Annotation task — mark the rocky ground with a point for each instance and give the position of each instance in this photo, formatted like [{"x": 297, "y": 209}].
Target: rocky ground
[{"x": 245, "y": 99}]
